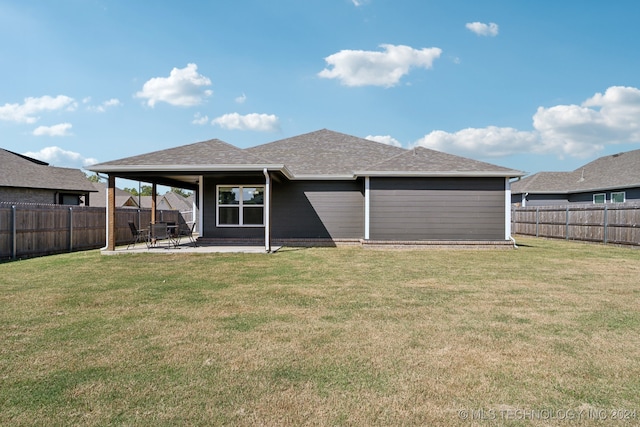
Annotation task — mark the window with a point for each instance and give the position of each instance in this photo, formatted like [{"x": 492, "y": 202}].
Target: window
[
  {"x": 618, "y": 197},
  {"x": 240, "y": 206},
  {"x": 600, "y": 198}
]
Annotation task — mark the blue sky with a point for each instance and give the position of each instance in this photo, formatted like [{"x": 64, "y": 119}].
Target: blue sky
[{"x": 535, "y": 86}]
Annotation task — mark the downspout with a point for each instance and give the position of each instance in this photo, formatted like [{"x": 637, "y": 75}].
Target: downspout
[
  {"x": 267, "y": 210},
  {"x": 200, "y": 204}
]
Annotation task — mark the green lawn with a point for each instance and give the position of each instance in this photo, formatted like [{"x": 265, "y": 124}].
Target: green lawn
[{"x": 324, "y": 336}]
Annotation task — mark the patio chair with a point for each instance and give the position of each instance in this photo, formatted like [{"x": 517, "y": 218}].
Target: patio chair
[
  {"x": 157, "y": 233},
  {"x": 188, "y": 232},
  {"x": 137, "y": 236},
  {"x": 174, "y": 233}
]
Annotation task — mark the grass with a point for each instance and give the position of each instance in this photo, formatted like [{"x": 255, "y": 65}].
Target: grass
[{"x": 325, "y": 336}]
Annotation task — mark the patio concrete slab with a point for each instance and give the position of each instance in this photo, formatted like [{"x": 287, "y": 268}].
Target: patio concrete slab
[{"x": 188, "y": 248}]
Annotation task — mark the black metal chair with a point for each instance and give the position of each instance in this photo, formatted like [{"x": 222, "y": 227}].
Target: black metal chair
[
  {"x": 188, "y": 232},
  {"x": 157, "y": 233},
  {"x": 137, "y": 236}
]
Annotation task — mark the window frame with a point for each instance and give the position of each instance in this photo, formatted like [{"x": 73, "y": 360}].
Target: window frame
[
  {"x": 240, "y": 205},
  {"x": 624, "y": 196},
  {"x": 604, "y": 195}
]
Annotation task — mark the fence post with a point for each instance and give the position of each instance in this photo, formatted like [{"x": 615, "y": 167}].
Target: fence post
[
  {"x": 566, "y": 226},
  {"x": 537, "y": 222},
  {"x": 70, "y": 229},
  {"x": 14, "y": 239},
  {"x": 605, "y": 224}
]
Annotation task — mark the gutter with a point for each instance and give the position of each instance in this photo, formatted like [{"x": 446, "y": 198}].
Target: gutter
[{"x": 452, "y": 174}]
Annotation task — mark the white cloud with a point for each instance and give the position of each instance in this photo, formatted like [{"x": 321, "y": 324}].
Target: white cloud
[
  {"x": 358, "y": 3},
  {"x": 184, "y": 88},
  {"x": 385, "y": 139},
  {"x": 489, "y": 141},
  {"x": 362, "y": 68},
  {"x": 113, "y": 102},
  {"x": 241, "y": 99},
  {"x": 482, "y": 29},
  {"x": 28, "y": 111},
  {"x": 564, "y": 130},
  {"x": 256, "y": 122},
  {"x": 62, "y": 158},
  {"x": 61, "y": 129},
  {"x": 199, "y": 119}
]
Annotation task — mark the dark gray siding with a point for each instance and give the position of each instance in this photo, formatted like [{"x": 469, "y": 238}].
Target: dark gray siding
[
  {"x": 437, "y": 209},
  {"x": 317, "y": 209}
]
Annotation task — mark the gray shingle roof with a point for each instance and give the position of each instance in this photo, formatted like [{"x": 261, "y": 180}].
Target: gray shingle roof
[
  {"x": 209, "y": 152},
  {"x": 317, "y": 155},
  {"x": 425, "y": 161},
  {"x": 24, "y": 172},
  {"x": 609, "y": 172},
  {"x": 326, "y": 152}
]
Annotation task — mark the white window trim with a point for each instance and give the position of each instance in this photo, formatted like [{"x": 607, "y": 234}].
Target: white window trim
[
  {"x": 599, "y": 194},
  {"x": 624, "y": 196},
  {"x": 240, "y": 206}
]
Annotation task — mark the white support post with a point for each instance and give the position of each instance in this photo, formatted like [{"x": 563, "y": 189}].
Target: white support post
[
  {"x": 507, "y": 209},
  {"x": 267, "y": 210},
  {"x": 367, "y": 201}
]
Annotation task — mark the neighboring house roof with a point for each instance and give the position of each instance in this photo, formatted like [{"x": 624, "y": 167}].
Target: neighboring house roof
[
  {"x": 322, "y": 154},
  {"x": 123, "y": 198},
  {"x": 24, "y": 172},
  {"x": 177, "y": 201},
  {"x": 616, "y": 171},
  {"x": 170, "y": 200}
]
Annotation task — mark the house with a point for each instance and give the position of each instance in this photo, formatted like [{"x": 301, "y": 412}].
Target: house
[
  {"x": 608, "y": 179},
  {"x": 27, "y": 180},
  {"x": 124, "y": 199},
  {"x": 326, "y": 187}
]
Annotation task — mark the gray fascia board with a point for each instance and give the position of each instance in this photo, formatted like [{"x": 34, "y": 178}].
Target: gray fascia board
[{"x": 447, "y": 174}]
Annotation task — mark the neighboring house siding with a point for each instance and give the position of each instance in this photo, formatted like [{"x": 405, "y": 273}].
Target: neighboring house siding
[
  {"x": 631, "y": 195},
  {"x": 318, "y": 210},
  {"x": 27, "y": 195},
  {"x": 547, "y": 199},
  {"x": 437, "y": 209}
]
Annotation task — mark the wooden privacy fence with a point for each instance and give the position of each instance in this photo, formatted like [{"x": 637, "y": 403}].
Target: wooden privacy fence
[
  {"x": 618, "y": 223},
  {"x": 28, "y": 230}
]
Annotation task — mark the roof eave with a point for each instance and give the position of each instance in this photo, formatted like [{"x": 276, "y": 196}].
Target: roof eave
[
  {"x": 190, "y": 168},
  {"x": 441, "y": 174}
]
